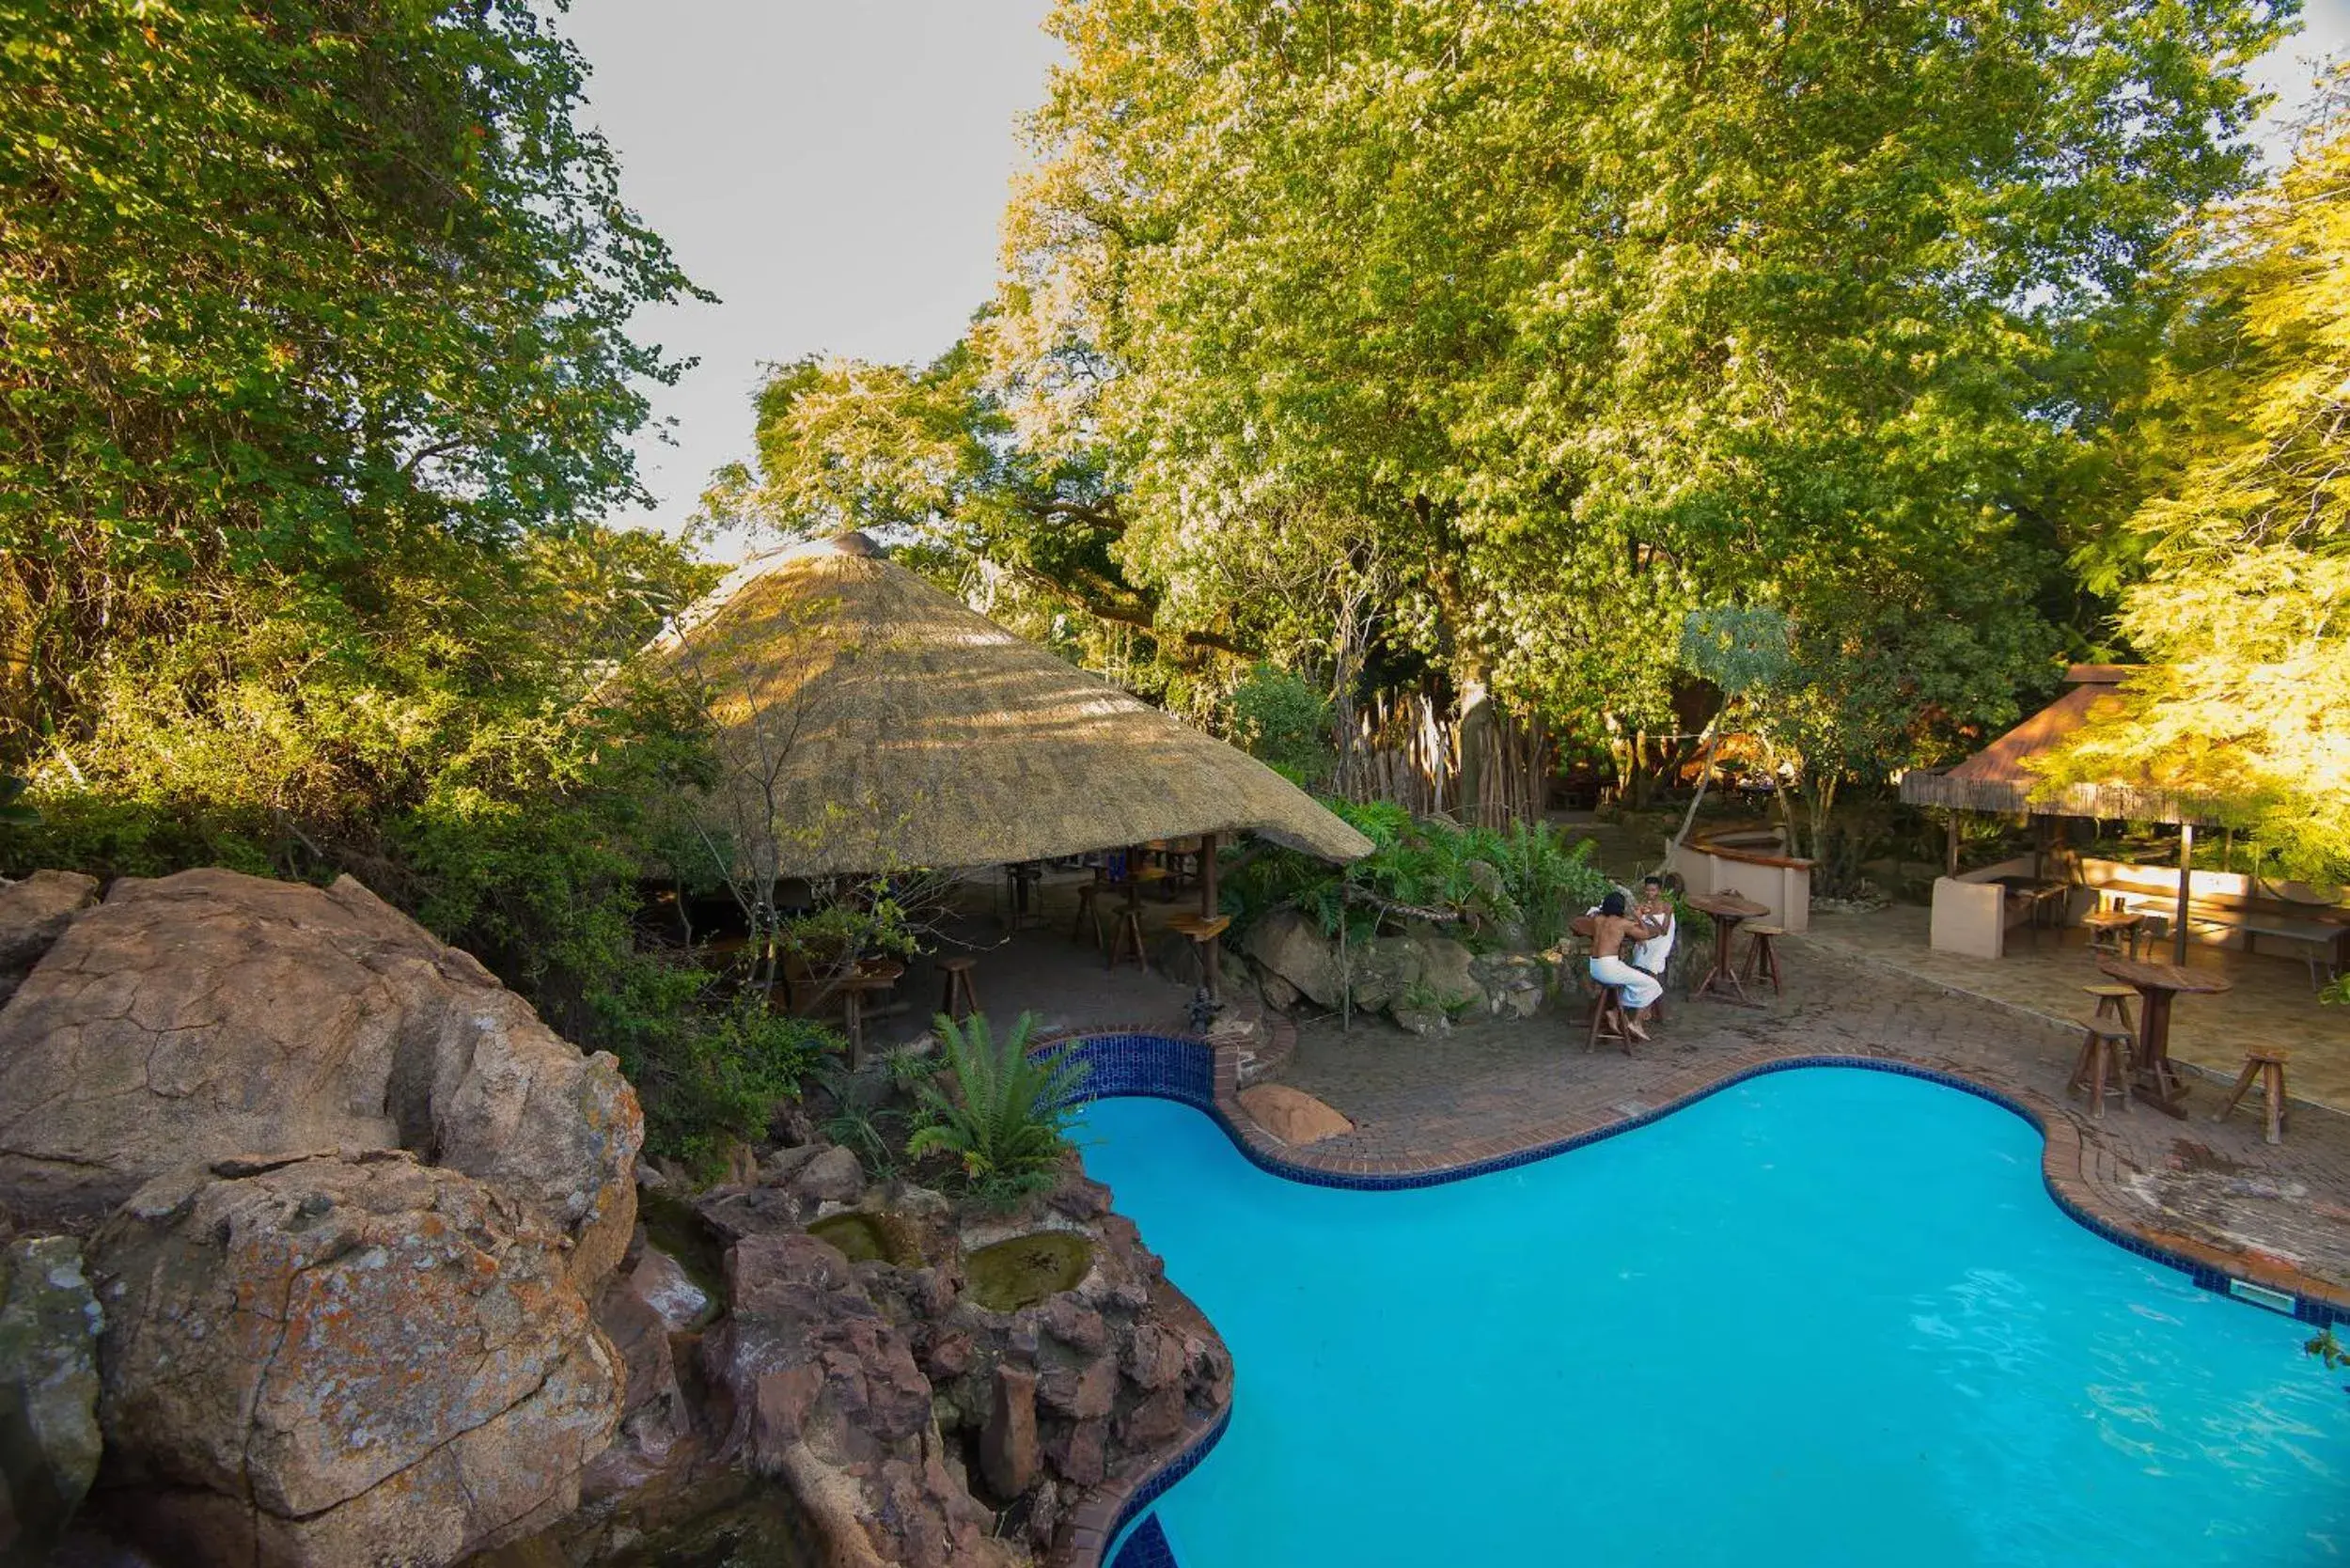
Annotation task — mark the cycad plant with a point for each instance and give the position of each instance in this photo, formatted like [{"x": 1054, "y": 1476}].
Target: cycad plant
[{"x": 1007, "y": 1121}]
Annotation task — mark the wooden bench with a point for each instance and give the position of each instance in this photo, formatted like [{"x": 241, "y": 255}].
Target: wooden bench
[{"x": 2325, "y": 944}]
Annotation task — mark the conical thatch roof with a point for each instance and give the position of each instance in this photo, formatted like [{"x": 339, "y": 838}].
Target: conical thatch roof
[
  {"x": 880, "y": 724},
  {"x": 2000, "y": 777}
]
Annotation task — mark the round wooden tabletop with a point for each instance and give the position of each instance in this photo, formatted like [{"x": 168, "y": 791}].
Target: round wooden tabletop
[
  {"x": 2148, "y": 975},
  {"x": 1736, "y": 905}
]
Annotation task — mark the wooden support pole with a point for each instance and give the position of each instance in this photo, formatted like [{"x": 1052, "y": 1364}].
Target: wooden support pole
[
  {"x": 1207, "y": 875},
  {"x": 2186, "y": 874},
  {"x": 1950, "y": 863}
]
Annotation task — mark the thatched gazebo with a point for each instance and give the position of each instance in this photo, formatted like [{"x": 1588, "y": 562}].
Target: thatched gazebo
[
  {"x": 873, "y": 724},
  {"x": 1999, "y": 780}
]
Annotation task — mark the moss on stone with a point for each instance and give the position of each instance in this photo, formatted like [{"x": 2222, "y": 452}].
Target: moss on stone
[
  {"x": 1024, "y": 1270},
  {"x": 866, "y": 1238}
]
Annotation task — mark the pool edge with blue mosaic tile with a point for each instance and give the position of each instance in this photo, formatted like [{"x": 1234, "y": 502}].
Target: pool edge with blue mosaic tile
[{"x": 1147, "y": 1065}]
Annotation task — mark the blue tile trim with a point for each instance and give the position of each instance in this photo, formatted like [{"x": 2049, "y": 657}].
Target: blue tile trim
[
  {"x": 1148, "y": 1547},
  {"x": 1134, "y": 1065}
]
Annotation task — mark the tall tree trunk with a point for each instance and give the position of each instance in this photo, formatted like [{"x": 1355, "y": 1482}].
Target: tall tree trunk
[
  {"x": 1709, "y": 741},
  {"x": 1476, "y": 726}
]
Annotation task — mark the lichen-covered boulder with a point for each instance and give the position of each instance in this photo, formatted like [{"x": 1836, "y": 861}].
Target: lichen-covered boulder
[
  {"x": 49, "y": 1325},
  {"x": 211, "y": 1014},
  {"x": 342, "y": 1360},
  {"x": 1444, "y": 968},
  {"x": 34, "y": 913},
  {"x": 1292, "y": 947}
]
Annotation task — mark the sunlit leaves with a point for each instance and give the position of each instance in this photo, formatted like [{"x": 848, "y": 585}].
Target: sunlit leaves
[{"x": 2244, "y": 614}]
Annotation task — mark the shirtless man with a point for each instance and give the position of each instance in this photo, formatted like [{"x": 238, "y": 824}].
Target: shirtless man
[{"x": 1610, "y": 928}]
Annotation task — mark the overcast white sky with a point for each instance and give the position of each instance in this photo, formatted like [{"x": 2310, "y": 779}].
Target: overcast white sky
[{"x": 834, "y": 170}]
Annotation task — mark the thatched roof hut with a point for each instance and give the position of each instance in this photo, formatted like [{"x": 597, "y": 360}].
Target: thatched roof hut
[
  {"x": 1999, "y": 777},
  {"x": 875, "y": 723}
]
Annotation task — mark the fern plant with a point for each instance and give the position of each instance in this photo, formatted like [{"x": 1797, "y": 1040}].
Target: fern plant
[{"x": 1006, "y": 1124}]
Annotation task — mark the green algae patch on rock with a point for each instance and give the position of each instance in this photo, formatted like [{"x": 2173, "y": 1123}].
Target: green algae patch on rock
[
  {"x": 1024, "y": 1270},
  {"x": 673, "y": 1226},
  {"x": 867, "y": 1238}
]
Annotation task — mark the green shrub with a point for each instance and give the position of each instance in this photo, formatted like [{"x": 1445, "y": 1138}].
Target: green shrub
[
  {"x": 1284, "y": 722},
  {"x": 13, "y": 812},
  {"x": 1527, "y": 873},
  {"x": 1006, "y": 1124},
  {"x": 708, "y": 1074}
]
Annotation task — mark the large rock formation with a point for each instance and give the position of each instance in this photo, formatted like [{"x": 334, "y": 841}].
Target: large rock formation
[
  {"x": 360, "y": 1200},
  {"x": 49, "y": 1436},
  {"x": 34, "y": 913},
  {"x": 207, "y": 1016},
  {"x": 343, "y": 1358},
  {"x": 1421, "y": 978}
]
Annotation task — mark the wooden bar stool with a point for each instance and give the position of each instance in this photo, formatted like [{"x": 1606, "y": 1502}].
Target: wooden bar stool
[
  {"x": 2104, "y": 1066},
  {"x": 1089, "y": 913},
  {"x": 1125, "y": 932},
  {"x": 959, "y": 998},
  {"x": 2268, "y": 1065},
  {"x": 2114, "y": 1001},
  {"x": 1762, "y": 958},
  {"x": 1607, "y": 1018}
]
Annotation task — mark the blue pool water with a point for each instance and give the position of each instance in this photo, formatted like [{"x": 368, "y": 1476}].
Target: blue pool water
[{"x": 1824, "y": 1317}]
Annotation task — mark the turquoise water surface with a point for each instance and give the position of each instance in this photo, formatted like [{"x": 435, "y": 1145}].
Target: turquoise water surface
[{"x": 1824, "y": 1317}]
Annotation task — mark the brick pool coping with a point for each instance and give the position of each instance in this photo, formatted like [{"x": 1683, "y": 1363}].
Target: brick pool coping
[{"x": 2083, "y": 1179}]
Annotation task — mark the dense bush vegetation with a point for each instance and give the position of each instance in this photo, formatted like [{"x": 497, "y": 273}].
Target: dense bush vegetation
[
  {"x": 1526, "y": 879},
  {"x": 1282, "y": 721}
]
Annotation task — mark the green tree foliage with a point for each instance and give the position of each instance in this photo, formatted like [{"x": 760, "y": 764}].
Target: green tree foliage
[
  {"x": 313, "y": 357},
  {"x": 844, "y": 444},
  {"x": 1596, "y": 313},
  {"x": 1283, "y": 722},
  {"x": 712, "y": 1073},
  {"x": 1006, "y": 1122},
  {"x": 310, "y": 308},
  {"x": 2243, "y": 610},
  {"x": 1896, "y": 674}
]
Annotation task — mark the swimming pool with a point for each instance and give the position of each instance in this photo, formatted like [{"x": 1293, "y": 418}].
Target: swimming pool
[{"x": 1822, "y": 1317}]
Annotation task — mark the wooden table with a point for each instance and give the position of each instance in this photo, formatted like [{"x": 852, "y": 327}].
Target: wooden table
[
  {"x": 2126, "y": 925},
  {"x": 1026, "y": 878},
  {"x": 1727, "y": 910},
  {"x": 872, "y": 974},
  {"x": 2036, "y": 896},
  {"x": 2155, "y": 984},
  {"x": 1206, "y": 931}
]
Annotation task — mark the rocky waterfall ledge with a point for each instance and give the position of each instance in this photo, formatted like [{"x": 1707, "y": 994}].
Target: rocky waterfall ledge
[{"x": 323, "y": 1249}]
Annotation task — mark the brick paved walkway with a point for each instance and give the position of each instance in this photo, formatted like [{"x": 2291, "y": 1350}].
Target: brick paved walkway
[{"x": 2280, "y": 1214}]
